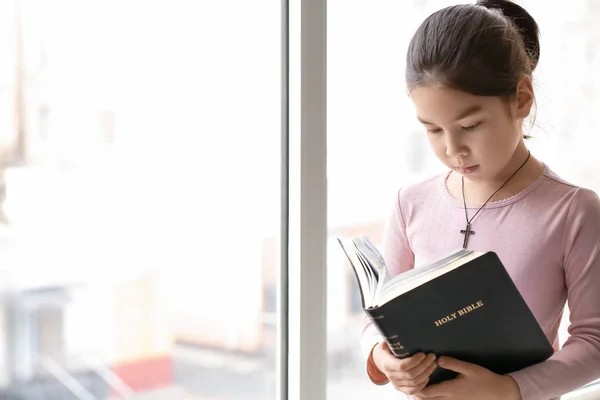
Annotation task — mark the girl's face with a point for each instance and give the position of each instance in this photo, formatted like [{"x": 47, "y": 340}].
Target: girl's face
[{"x": 476, "y": 136}]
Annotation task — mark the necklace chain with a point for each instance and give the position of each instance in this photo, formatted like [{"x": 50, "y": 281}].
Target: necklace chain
[{"x": 467, "y": 231}]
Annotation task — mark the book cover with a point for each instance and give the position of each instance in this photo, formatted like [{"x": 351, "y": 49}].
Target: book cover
[{"x": 472, "y": 312}]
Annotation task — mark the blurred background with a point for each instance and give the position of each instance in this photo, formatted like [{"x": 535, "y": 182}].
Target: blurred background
[{"x": 140, "y": 184}]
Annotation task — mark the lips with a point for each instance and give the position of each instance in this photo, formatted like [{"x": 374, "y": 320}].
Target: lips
[{"x": 467, "y": 170}]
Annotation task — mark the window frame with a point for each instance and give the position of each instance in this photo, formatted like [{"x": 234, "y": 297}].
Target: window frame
[
  {"x": 302, "y": 278},
  {"x": 302, "y": 281}
]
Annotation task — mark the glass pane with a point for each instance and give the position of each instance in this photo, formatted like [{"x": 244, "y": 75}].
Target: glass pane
[
  {"x": 376, "y": 145},
  {"x": 140, "y": 150}
]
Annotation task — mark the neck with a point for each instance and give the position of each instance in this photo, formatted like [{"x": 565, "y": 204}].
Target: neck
[{"x": 479, "y": 191}]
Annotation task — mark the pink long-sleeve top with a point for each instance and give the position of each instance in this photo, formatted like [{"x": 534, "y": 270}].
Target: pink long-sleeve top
[{"x": 548, "y": 237}]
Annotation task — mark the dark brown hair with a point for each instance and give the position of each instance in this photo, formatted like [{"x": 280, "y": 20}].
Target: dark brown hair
[{"x": 483, "y": 49}]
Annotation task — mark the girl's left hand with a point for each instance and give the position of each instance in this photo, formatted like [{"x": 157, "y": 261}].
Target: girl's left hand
[{"x": 473, "y": 382}]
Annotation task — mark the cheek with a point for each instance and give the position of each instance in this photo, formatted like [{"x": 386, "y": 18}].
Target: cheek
[
  {"x": 438, "y": 146},
  {"x": 493, "y": 134}
]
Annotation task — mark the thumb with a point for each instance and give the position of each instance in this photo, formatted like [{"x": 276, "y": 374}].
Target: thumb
[
  {"x": 384, "y": 346},
  {"x": 462, "y": 367}
]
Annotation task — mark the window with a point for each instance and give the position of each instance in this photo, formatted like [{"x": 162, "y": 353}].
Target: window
[
  {"x": 142, "y": 163},
  {"x": 143, "y": 199},
  {"x": 375, "y": 144}
]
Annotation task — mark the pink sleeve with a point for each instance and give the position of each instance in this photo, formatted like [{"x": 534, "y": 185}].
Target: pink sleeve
[
  {"x": 399, "y": 258},
  {"x": 578, "y": 362}
]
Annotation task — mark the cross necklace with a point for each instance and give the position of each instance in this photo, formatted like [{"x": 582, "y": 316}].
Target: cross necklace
[{"x": 467, "y": 231}]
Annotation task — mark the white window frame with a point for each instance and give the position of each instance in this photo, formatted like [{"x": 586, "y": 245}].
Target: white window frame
[{"x": 302, "y": 287}]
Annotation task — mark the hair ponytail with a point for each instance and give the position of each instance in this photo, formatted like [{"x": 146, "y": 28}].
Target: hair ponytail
[{"x": 523, "y": 23}]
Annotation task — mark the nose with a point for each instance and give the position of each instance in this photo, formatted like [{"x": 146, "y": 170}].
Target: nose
[{"x": 455, "y": 146}]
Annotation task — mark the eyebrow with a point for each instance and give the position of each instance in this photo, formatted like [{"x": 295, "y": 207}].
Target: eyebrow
[{"x": 471, "y": 110}]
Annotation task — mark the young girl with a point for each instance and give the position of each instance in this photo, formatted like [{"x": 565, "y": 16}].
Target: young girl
[{"x": 469, "y": 74}]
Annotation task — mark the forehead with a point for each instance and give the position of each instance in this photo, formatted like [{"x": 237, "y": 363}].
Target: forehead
[{"x": 439, "y": 104}]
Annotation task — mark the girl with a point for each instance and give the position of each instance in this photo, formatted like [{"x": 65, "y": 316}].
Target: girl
[{"x": 469, "y": 73}]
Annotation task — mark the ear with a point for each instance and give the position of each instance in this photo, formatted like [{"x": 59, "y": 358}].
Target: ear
[{"x": 524, "y": 97}]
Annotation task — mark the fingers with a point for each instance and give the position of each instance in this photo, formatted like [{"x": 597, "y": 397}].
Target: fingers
[
  {"x": 412, "y": 362},
  {"x": 419, "y": 380},
  {"x": 438, "y": 391},
  {"x": 420, "y": 397},
  {"x": 416, "y": 378},
  {"x": 411, "y": 389},
  {"x": 393, "y": 364},
  {"x": 459, "y": 366},
  {"x": 415, "y": 366},
  {"x": 409, "y": 375}
]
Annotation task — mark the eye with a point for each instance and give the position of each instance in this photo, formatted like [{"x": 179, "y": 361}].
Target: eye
[
  {"x": 471, "y": 128},
  {"x": 435, "y": 130}
]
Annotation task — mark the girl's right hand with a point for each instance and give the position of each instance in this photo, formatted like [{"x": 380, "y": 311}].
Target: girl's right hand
[{"x": 408, "y": 375}]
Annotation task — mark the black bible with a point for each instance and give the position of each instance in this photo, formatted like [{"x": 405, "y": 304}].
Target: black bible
[{"x": 464, "y": 305}]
